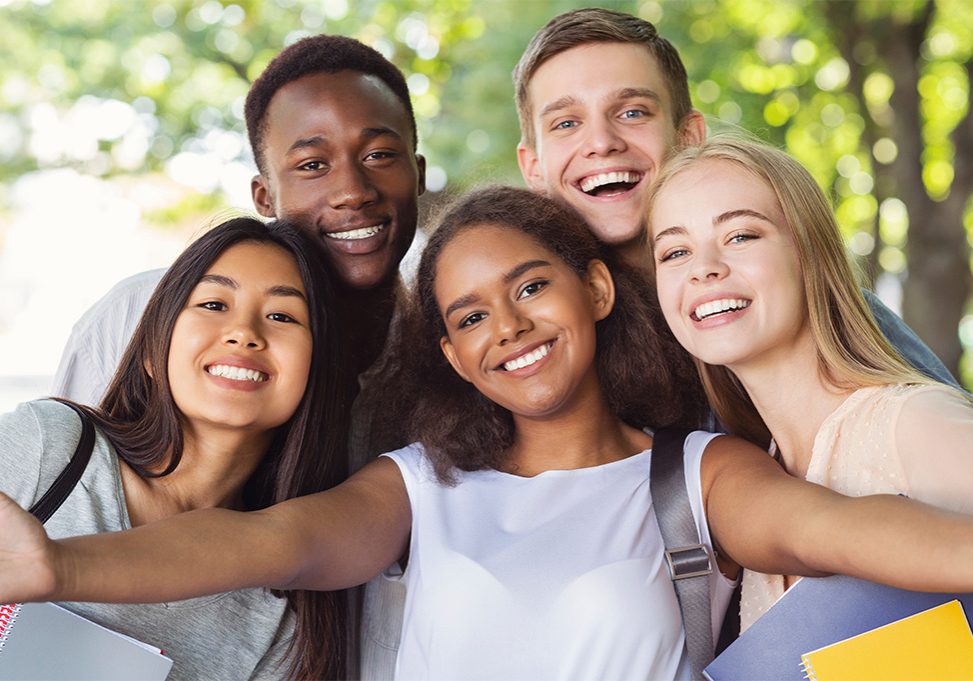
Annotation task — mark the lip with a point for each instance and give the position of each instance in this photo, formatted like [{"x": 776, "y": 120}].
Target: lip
[
  {"x": 577, "y": 182},
  {"x": 524, "y": 350},
  {"x": 363, "y": 245},
  {"x": 720, "y": 319},
  {"x": 242, "y": 363}
]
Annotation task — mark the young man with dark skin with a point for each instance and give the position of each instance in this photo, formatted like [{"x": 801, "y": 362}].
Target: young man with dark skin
[
  {"x": 595, "y": 138},
  {"x": 334, "y": 138}
]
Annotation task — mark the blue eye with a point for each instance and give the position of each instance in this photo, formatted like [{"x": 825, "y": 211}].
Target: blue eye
[
  {"x": 565, "y": 125},
  {"x": 673, "y": 254},
  {"x": 634, "y": 113},
  {"x": 742, "y": 237}
]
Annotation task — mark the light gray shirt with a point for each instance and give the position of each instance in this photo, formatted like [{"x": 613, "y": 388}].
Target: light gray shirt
[
  {"x": 88, "y": 363},
  {"x": 238, "y": 635}
]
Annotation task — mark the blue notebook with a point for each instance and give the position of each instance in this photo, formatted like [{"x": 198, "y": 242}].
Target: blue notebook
[{"x": 815, "y": 613}]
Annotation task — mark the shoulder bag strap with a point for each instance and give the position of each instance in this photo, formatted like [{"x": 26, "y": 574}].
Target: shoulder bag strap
[
  {"x": 687, "y": 557},
  {"x": 68, "y": 478}
]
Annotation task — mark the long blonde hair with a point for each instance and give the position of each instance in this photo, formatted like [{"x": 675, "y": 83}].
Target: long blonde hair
[{"x": 852, "y": 352}]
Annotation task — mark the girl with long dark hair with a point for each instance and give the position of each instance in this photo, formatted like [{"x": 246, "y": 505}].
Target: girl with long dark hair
[{"x": 231, "y": 394}]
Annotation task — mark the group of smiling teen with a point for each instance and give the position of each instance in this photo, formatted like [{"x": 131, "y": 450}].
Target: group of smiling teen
[{"x": 548, "y": 334}]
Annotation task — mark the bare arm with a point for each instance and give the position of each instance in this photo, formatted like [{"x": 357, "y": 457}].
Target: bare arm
[
  {"x": 329, "y": 540},
  {"x": 770, "y": 521}
]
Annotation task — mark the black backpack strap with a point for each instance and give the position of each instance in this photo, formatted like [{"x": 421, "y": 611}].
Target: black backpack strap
[
  {"x": 68, "y": 478},
  {"x": 688, "y": 559}
]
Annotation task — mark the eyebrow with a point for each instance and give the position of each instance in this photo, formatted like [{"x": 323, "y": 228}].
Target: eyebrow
[
  {"x": 280, "y": 290},
  {"x": 514, "y": 272},
  {"x": 718, "y": 220},
  {"x": 366, "y": 134},
  {"x": 625, "y": 93}
]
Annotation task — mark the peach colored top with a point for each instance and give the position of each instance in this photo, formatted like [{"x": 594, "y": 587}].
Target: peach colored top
[{"x": 915, "y": 440}]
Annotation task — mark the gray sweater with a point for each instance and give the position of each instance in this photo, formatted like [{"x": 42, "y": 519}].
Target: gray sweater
[{"x": 238, "y": 635}]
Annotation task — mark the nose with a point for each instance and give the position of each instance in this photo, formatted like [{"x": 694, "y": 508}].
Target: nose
[
  {"x": 708, "y": 265},
  {"x": 510, "y": 323},
  {"x": 602, "y": 138},
  {"x": 244, "y": 332},
  {"x": 351, "y": 187}
]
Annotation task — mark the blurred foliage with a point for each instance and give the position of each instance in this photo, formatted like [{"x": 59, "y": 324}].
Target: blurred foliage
[{"x": 114, "y": 87}]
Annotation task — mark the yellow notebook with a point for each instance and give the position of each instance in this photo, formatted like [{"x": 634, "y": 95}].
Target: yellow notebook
[{"x": 933, "y": 644}]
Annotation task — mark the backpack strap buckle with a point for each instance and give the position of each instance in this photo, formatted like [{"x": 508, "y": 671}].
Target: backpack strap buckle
[{"x": 688, "y": 561}]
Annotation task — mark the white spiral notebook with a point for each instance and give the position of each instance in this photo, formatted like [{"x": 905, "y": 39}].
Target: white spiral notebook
[{"x": 45, "y": 642}]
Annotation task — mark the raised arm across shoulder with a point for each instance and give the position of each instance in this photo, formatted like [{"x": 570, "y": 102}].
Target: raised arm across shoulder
[
  {"x": 99, "y": 338},
  {"x": 329, "y": 540},
  {"x": 772, "y": 522}
]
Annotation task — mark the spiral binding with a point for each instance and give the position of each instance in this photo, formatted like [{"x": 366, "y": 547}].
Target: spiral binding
[
  {"x": 8, "y": 614},
  {"x": 808, "y": 668}
]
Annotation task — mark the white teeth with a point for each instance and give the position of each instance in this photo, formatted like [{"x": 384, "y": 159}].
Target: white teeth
[
  {"x": 594, "y": 181},
  {"x": 528, "y": 359},
  {"x": 717, "y": 306},
  {"x": 236, "y": 373},
  {"x": 362, "y": 233}
]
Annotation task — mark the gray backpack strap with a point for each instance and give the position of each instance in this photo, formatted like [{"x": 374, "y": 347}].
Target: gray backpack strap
[{"x": 688, "y": 559}]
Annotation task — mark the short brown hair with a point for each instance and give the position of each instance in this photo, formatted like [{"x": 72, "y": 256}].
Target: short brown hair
[{"x": 598, "y": 25}]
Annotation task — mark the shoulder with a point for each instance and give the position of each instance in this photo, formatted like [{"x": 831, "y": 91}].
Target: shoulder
[
  {"x": 728, "y": 461},
  {"x": 132, "y": 292},
  {"x": 36, "y": 442},
  {"x": 125, "y": 300},
  {"x": 41, "y": 417},
  {"x": 924, "y": 411},
  {"x": 411, "y": 461}
]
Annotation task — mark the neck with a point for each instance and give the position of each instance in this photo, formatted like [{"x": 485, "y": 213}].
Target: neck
[
  {"x": 215, "y": 466},
  {"x": 580, "y": 435},
  {"x": 365, "y": 316},
  {"x": 794, "y": 399}
]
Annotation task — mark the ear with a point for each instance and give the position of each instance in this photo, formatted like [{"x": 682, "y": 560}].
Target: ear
[
  {"x": 530, "y": 167},
  {"x": 692, "y": 129},
  {"x": 450, "y": 353},
  {"x": 421, "y": 165},
  {"x": 263, "y": 200},
  {"x": 601, "y": 286}
]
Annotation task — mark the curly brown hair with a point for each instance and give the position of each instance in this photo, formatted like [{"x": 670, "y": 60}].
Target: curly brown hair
[{"x": 647, "y": 378}]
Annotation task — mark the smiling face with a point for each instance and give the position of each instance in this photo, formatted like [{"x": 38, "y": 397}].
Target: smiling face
[
  {"x": 727, "y": 268},
  {"x": 520, "y": 323},
  {"x": 241, "y": 348},
  {"x": 603, "y": 125},
  {"x": 338, "y": 152}
]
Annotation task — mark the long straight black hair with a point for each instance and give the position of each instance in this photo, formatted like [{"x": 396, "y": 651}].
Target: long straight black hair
[{"x": 140, "y": 418}]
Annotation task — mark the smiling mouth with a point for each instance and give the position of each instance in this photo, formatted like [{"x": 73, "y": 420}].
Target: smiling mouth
[
  {"x": 236, "y": 373},
  {"x": 718, "y": 307},
  {"x": 360, "y": 233},
  {"x": 528, "y": 358},
  {"x": 610, "y": 184}
]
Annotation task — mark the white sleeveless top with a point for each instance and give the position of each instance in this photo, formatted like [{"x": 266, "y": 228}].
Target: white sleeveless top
[{"x": 558, "y": 576}]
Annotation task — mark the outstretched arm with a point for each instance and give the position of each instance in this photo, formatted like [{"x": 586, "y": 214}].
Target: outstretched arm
[
  {"x": 769, "y": 521},
  {"x": 330, "y": 540}
]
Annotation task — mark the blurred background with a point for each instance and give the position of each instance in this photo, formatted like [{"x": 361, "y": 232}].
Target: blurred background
[{"x": 122, "y": 135}]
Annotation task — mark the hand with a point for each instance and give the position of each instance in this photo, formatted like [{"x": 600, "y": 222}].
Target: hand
[{"x": 27, "y": 556}]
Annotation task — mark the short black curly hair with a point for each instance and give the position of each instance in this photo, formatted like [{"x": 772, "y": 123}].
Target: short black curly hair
[{"x": 318, "y": 54}]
